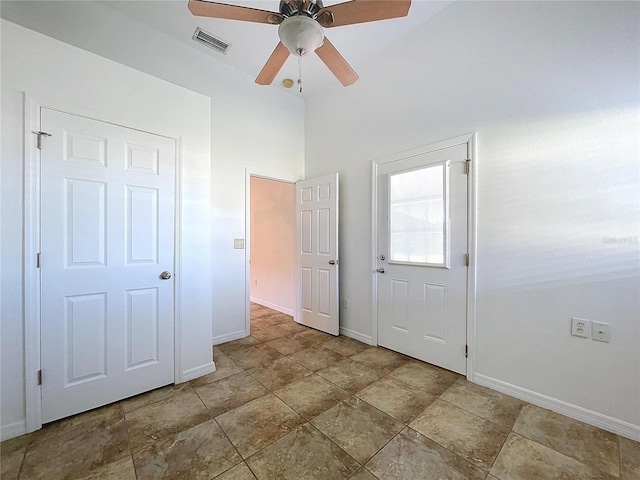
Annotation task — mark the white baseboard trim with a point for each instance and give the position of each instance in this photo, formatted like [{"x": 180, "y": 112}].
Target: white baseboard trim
[
  {"x": 13, "y": 430},
  {"x": 596, "y": 419},
  {"x": 227, "y": 337},
  {"x": 356, "y": 335},
  {"x": 199, "y": 371},
  {"x": 272, "y": 306}
]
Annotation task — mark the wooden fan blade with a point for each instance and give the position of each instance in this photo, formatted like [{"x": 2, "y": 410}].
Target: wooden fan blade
[
  {"x": 336, "y": 63},
  {"x": 233, "y": 12},
  {"x": 361, "y": 11},
  {"x": 273, "y": 65}
]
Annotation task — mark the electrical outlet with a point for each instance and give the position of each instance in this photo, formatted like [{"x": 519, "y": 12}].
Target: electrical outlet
[
  {"x": 580, "y": 327},
  {"x": 600, "y": 332},
  {"x": 255, "y": 282},
  {"x": 345, "y": 304}
]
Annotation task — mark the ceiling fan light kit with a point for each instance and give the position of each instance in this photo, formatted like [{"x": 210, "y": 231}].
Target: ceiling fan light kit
[
  {"x": 300, "y": 28},
  {"x": 301, "y": 35}
]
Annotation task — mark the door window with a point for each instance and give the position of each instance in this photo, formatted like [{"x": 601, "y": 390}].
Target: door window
[{"x": 419, "y": 216}]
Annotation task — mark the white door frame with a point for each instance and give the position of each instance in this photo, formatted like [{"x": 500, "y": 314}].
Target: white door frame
[
  {"x": 32, "y": 294},
  {"x": 470, "y": 139},
  {"x": 255, "y": 172}
]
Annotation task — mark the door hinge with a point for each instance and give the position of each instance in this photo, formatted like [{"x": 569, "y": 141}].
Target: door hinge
[
  {"x": 466, "y": 259},
  {"x": 466, "y": 351},
  {"x": 38, "y": 260},
  {"x": 467, "y": 166},
  {"x": 41, "y": 134},
  {"x": 39, "y": 377}
]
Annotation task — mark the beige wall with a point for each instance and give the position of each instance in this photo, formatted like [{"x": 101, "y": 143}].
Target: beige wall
[{"x": 272, "y": 240}]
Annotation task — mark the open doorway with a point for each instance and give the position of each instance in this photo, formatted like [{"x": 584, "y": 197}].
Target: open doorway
[{"x": 271, "y": 244}]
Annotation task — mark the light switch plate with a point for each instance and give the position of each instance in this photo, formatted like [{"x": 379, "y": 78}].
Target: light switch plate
[{"x": 238, "y": 243}]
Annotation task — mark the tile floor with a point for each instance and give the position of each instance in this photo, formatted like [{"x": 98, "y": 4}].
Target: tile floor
[{"x": 290, "y": 402}]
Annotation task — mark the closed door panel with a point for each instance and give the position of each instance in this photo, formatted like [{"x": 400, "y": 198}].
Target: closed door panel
[
  {"x": 317, "y": 253},
  {"x": 107, "y": 234},
  {"x": 422, "y": 242}
]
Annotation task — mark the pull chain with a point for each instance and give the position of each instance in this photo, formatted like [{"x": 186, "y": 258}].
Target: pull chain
[{"x": 300, "y": 72}]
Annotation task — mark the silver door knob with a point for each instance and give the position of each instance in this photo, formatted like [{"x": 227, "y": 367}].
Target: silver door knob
[
  {"x": 380, "y": 270},
  {"x": 165, "y": 275},
  {"x": 332, "y": 262}
]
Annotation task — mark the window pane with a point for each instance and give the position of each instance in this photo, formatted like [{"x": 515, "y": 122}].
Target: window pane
[{"x": 417, "y": 216}]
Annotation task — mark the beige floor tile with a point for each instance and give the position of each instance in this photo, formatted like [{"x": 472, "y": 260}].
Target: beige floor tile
[
  {"x": 120, "y": 470},
  {"x": 278, "y": 373},
  {"x": 523, "y": 459},
  {"x": 82, "y": 443},
  {"x": 253, "y": 356},
  {"x": 201, "y": 452},
  {"x": 293, "y": 327},
  {"x": 357, "y": 427},
  {"x": 349, "y": 375},
  {"x": 11, "y": 456},
  {"x": 278, "y": 318},
  {"x": 155, "y": 396},
  {"x": 484, "y": 402},
  {"x": 311, "y": 395},
  {"x": 383, "y": 361},
  {"x": 217, "y": 351},
  {"x": 305, "y": 454},
  {"x": 260, "y": 324},
  {"x": 587, "y": 444},
  {"x": 225, "y": 367},
  {"x": 268, "y": 334},
  {"x": 363, "y": 474},
  {"x": 290, "y": 345},
  {"x": 258, "y": 311},
  {"x": 239, "y": 344},
  {"x": 346, "y": 346},
  {"x": 425, "y": 377},
  {"x": 316, "y": 336},
  {"x": 629, "y": 459},
  {"x": 465, "y": 434},
  {"x": 239, "y": 472},
  {"x": 396, "y": 398},
  {"x": 413, "y": 456},
  {"x": 316, "y": 358},
  {"x": 160, "y": 420},
  {"x": 230, "y": 393},
  {"x": 258, "y": 423}
]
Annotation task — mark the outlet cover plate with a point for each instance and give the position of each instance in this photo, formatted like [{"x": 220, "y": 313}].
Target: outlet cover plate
[
  {"x": 580, "y": 327},
  {"x": 601, "y": 332}
]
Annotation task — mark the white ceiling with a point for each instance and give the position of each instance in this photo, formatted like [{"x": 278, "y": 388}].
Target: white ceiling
[{"x": 252, "y": 43}]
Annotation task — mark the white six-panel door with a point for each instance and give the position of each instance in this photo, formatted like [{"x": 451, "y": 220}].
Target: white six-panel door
[
  {"x": 422, "y": 247},
  {"x": 317, "y": 253},
  {"x": 107, "y": 234}
]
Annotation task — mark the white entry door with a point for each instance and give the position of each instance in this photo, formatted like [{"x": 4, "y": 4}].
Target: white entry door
[
  {"x": 107, "y": 236},
  {"x": 422, "y": 247},
  {"x": 317, "y": 253}
]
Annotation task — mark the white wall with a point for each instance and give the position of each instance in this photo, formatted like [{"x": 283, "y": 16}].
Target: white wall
[
  {"x": 553, "y": 91},
  {"x": 273, "y": 217},
  {"x": 255, "y": 127}
]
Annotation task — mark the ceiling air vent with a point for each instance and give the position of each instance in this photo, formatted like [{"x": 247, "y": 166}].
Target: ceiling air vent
[{"x": 210, "y": 41}]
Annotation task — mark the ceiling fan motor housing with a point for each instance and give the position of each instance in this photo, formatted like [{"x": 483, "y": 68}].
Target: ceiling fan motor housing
[{"x": 301, "y": 34}]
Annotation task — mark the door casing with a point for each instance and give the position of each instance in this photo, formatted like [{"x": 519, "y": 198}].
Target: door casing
[
  {"x": 470, "y": 140},
  {"x": 32, "y": 294}
]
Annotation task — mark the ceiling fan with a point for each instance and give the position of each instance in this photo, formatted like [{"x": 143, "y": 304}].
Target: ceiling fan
[{"x": 301, "y": 25}]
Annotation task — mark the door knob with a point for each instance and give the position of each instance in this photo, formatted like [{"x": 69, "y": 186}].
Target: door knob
[
  {"x": 165, "y": 275},
  {"x": 332, "y": 262},
  {"x": 380, "y": 270}
]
